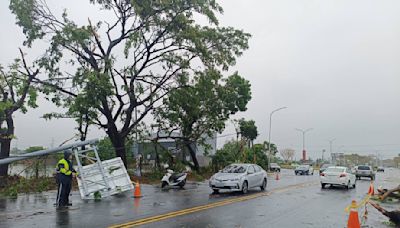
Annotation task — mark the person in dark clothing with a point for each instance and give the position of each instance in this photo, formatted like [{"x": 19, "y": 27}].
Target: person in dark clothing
[{"x": 64, "y": 175}]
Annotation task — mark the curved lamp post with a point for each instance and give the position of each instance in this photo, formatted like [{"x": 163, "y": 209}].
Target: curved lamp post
[{"x": 269, "y": 135}]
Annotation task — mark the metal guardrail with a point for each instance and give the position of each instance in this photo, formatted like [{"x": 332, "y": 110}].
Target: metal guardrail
[{"x": 47, "y": 151}]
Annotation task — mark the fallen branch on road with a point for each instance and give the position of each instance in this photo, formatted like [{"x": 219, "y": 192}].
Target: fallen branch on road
[
  {"x": 394, "y": 216},
  {"x": 389, "y": 193}
]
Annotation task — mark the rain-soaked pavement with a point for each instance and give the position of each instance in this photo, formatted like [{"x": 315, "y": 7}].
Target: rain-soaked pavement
[{"x": 292, "y": 201}]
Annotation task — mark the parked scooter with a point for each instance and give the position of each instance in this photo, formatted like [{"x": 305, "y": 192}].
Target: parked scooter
[{"x": 173, "y": 179}]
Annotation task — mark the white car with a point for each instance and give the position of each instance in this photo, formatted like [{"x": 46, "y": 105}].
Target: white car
[
  {"x": 239, "y": 177},
  {"x": 338, "y": 175}
]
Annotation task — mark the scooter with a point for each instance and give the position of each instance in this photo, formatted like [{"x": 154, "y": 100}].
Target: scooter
[{"x": 173, "y": 179}]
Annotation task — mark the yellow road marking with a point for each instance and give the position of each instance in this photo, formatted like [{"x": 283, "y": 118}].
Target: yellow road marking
[{"x": 157, "y": 218}]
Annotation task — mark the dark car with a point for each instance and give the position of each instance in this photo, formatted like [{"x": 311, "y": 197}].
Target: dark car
[
  {"x": 365, "y": 171},
  {"x": 324, "y": 167},
  {"x": 304, "y": 170},
  {"x": 380, "y": 169}
]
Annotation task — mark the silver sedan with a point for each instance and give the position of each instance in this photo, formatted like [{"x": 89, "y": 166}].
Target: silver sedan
[{"x": 239, "y": 177}]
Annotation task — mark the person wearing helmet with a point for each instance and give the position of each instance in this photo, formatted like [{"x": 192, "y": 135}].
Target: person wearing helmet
[{"x": 64, "y": 175}]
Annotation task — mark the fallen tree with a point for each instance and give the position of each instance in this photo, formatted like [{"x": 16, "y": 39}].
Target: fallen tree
[
  {"x": 394, "y": 216},
  {"x": 384, "y": 193}
]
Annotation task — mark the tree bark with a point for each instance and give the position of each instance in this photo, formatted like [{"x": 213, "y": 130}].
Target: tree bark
[
  {"x": 4, "y": 153},
  {"x": 5, "y": 140},
  {"x": 390, "y": 191},
  {"x": 157, "y": 157},
  {"x": 118, "y": 142},
  {"x": 394, "y": 216},
  {"x": 192, "y": 154}
]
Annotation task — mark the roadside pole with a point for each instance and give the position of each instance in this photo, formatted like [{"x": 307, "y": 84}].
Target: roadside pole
[{"x": 269, "y": 136}]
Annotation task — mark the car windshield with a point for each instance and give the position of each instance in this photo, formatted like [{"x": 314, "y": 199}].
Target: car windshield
[
  {"x": 234, "y": 169},
  {"x": 324, "y": 166},
  {"x": 335, "y": 170},
  {"x": 363, "y": 167},
  {"x": 274, "y": 164},
  {"x": 303, "y": 167}
]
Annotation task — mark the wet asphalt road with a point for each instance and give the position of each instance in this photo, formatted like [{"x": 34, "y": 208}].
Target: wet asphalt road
[{"x": 292, "y": 201}]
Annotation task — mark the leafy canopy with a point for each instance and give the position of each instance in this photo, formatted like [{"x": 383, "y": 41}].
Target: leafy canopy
[
  {"x": 248, "y": 129},
  {"x": 162, "y": 45},
  {"x": 201, "y": 107}
]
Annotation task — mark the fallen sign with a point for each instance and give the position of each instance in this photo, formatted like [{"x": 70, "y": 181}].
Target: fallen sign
[{"x": 100, "y": 178}]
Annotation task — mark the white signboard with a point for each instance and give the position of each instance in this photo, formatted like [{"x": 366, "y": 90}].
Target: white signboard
[{"x": 95, "y": 183}]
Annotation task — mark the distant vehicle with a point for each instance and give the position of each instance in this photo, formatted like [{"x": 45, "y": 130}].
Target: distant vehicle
[
  {"x": 380, "y": 169},
  {"x": 239, "y": 177},
  {"x": 338, "y": 175},
  {"x": 275, "y": 167},
  {"x": 364, "y": 171},
  {"x": 324, "y": 167},
  {"x": 304, "y": 170}
]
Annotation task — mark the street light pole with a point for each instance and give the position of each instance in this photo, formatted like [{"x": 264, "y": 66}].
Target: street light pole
[
  {"x": 269, "y": 135},
  {"x": 330, "y": 146},
  {"x": 304, "y": 140}
]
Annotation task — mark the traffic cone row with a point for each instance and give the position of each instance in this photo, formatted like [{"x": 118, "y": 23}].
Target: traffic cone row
[{"x": 353, "y": 221}]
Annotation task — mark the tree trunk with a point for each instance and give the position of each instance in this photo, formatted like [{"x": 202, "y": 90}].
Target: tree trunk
[
  {"x": 118, "y": 142},
  {"x": 5, "y": 140},
  {"x": 193, "y": 155},
  {"x": 157, "y": 157},
  {"x": 4, "y": 153},
  {"x": 394, "y": 216},
  {"x": 390, "y": 191}
]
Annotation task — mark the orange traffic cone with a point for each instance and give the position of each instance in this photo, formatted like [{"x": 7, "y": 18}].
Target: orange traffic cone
[
  {"x": 137, "y": 192},
  {"x": 371, "y": 189},
  {"x": 277, "y": 176},
  {"x": 353, "y": 221}
]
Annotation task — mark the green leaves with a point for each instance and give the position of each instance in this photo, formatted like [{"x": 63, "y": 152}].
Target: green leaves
[
  {"x": 16, "y": 90},
  {"x": 149, "y": 52},
  {"x": 202, "y": 106},
  {"x": 26, "y": 13},
  {"x": 236, "y": 93},
  {"x": 248, "y": 129}
]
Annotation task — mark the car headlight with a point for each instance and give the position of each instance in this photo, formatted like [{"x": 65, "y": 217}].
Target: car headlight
[{"x": 235, "y": 179}]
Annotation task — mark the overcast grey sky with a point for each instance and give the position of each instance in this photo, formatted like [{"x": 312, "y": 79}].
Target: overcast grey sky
[{"x": 334, "y": 63}]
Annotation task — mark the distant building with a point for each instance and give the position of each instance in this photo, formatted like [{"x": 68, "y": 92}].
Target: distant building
[{"x": 169, "y": 143}]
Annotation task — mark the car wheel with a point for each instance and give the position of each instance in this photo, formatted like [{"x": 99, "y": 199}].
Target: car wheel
[
  {"x": 322, "y": 185},
  {"x": 307, "y": 173},
  {"x": 245, "y": 187},
  {"x": 372, "y": 178},
  {"x": 215, "y": 191},
  {"x": 264, "y": 185},
  {"x": 354, "y": 185},
  {"x": 348, "y": 185}
]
